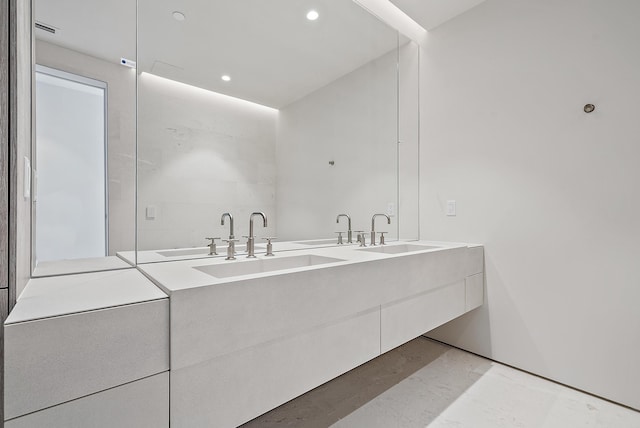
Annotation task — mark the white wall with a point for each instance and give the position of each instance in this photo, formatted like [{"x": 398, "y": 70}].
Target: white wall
[
  {"x": 352, "y": 122},
  {"x": 551, "y": 191},
  {"x": 121, "y": 133},
  {"x": 201, "y": 154}
]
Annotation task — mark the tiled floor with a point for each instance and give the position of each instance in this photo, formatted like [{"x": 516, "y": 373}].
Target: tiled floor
[{"x": 427, "y": 384}]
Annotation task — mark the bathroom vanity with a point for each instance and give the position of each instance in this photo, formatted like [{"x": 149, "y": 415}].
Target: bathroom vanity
[{"x": 242, "y": 336}]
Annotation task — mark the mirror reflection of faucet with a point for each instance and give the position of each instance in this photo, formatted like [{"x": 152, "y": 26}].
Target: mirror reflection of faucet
[
  {"x": 269, "y": 246},
  {"x": 373, "y": 228},
  {"x": 382, "y": 237},
  {"x": 230, "y": 223},
  {"x": 212, "y": 246},
  {"x": 349, "y": 240},
  {"x": 251, "y": 237},
  {"x": 231, "y": 249}
]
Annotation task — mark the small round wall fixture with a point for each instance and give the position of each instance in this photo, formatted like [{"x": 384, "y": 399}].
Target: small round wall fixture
[
  {"x": 312, "y": 15},
  {"x": 588, "y": 108},
  {"x": 178, "y": 16}
]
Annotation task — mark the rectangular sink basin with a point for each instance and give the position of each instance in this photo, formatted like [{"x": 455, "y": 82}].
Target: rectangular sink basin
[
  {"x": 226, "y": 270},
  {"x": 222, "y": 250},
  {"x": 398, "y": 249}
]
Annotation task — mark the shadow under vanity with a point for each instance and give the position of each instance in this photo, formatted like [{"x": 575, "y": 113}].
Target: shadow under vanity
[{"x": 313, "y": 131}]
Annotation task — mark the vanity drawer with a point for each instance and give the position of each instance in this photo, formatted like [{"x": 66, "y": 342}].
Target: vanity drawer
[
  {"x": 232, "y": 389},
  {"x": 54, "y": 360},
  {"x": 409, "y": 318},
  {"x": 144, "y": 403}
]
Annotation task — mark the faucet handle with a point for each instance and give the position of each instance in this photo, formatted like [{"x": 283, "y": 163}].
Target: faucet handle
[
  {"x": 382, "y": 237},
  {"x": 269, "y": 245},
  {"x": 340, "y": 238},
  {"x": 212, "y": 246}
]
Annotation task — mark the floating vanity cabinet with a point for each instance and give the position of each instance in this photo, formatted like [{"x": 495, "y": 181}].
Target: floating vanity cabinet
[
  {"x": 459, "y": 288},
  {"x": 79, "y": 345},
  {"x": 250, "y": 335}
]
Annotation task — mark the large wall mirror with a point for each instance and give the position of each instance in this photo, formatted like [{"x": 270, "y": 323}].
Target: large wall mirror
[
  {"x": 253, "y": 105},
  {"x": 207, "y": 107},
  {"x": 84, "y": 151}
]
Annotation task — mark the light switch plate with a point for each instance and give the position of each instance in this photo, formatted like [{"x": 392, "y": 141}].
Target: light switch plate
[
  {"x": 27, "y": 178},
  {"x": 451, "y": 208}
]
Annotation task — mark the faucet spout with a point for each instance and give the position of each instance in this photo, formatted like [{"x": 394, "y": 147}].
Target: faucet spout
[
  {"x": 373, "y": 226},
  {"x": 349, "y": 240},
  {"x": 230, "y": 223},
  {"x": 251, "y": 238}
]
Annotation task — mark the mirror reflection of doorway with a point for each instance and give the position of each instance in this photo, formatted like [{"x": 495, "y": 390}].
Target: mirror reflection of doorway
[{"x": 70, "y": 153}]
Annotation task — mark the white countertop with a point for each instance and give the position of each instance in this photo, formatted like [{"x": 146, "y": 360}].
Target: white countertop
[
  {"x": 180, "y": 275},
  {"x": 68, "y": 294},
  {"x": 94, "y": 264}
]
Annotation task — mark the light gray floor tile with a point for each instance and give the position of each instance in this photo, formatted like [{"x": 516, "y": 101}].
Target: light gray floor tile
[{"x": 427, "y": 384}]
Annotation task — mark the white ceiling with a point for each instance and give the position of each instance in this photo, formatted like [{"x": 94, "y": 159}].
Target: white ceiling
[
  {"x": 432, "y": 13},
  {"x": 106, "y": 29},
  {"x": 273, "y": 54}
]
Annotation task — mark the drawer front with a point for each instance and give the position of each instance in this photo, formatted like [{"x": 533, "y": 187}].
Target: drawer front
[
  {"x": 144, "y": 403},
  {"x": 235, "y": 388},
  {"x": 409, "y": 318},
  {"x": 55, "y": 360}
]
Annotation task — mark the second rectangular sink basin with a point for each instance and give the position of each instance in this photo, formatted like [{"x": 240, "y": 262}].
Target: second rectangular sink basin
[
  {"x": 248, "y": 267},
  {"x": 398, "y": 249}
]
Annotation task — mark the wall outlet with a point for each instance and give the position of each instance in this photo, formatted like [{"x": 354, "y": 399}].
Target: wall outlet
[
  {"x": 391, "y": 209},
  {"x": 451, "y": 208}
]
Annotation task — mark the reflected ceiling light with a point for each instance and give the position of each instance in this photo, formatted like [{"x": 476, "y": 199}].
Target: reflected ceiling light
[
  {"x": 226, "y": 77},
  {"x": 178, "y": 16},
  {"x": 312, "y": 15}
]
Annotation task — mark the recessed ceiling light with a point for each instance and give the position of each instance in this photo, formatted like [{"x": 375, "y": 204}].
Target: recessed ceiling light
[
  {"x": 178, "y": 16},
  {"x": 226, "y": 77},
  {"x": 312, "y": 15}
]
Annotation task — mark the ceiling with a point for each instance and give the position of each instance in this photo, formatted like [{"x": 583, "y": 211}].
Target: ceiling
[
  {"x": 106, "y": 29},
  {"x": 432, "y": 13},
  {"x": 273, "y": 54}
]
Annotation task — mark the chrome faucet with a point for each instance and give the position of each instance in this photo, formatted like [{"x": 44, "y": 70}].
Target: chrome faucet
[
  {"x": 349, "y": 241},
  {"x": 230, "y": 223},
  {"x": 251, "y": 238},
  {"x": 231, "y": 249},
  {"x": 373, "y": 226}
]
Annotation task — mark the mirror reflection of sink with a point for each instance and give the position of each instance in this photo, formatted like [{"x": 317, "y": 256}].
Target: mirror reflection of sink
[
  {"x": 249, "y": 267},
  {"x": 397, "y": 249},
  {"x": 319, "y": 242},
  {"x": 204, "y": 251}
]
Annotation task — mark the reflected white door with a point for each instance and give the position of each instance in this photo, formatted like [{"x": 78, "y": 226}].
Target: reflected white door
[{"x": 71, "y": 204}]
